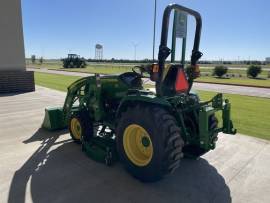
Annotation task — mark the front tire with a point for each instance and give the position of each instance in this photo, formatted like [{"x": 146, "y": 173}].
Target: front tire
[
  {"x": 149, "y": 142},
  {"x": 80, "y": 126}
]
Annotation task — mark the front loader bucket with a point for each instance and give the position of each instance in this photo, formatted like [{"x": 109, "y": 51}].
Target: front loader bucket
[{"x": 54, "y": 119}]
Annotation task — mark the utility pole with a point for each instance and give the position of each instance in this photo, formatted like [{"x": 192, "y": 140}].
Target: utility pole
[
  {"x": 135, "y": 50},
  {"x": 154, "y": 34}
]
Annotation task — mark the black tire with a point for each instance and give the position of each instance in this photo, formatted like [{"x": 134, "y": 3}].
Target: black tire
[
  {"x": 83, "y": 65},
  {"x": 165, "y": 137},
  {"x": 85, "y": 125},
  {"x": 213, "y": 122},
  {"x": 71, "y": 65}
]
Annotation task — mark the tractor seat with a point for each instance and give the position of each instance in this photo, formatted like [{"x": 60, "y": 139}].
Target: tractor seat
[{"x": 131, "y": 79}]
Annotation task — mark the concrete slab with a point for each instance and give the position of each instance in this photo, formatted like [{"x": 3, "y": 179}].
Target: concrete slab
[{"x": 41, "y": 166}]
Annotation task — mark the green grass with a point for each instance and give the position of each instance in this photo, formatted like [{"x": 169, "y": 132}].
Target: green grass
[
  {"x": 239, "y": 81},
  {"x": 104, "y": 69},
  {"x": 263, "y": 74},
  {"x": 92, "y": 68},
  {"x": 54, "y": 81},
  {"x": 120, "y": 68},
  {"x": 250, "y": 114},
  {"x": 232, "y": 65}
]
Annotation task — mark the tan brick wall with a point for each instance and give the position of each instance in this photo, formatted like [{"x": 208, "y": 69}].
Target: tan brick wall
[
  {"x": 16, "y": 81},
  {"x": 12, "y": 56},
  {"x": 13, "y": 74}
]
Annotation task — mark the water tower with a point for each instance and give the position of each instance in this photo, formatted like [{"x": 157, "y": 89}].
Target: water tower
[{"x": 99, "y": 52}]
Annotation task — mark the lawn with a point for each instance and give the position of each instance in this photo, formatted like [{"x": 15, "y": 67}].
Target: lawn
[
  {"x": 91, "y": 68},
  {"x": 104, "y": 68},
  {"x": 233, "y": 65},
  {"x": 263, "y": 74},
  {"x": 54, "y": 81},
  {"x": 250, "y": 114},
  {"x": 120, "y": 68},
  {"x": 239, "y": 81}
]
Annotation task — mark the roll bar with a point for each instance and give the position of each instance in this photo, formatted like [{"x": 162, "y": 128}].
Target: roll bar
[{"x": 164, "y": 51}]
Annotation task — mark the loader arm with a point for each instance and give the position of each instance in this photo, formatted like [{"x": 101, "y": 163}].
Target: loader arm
[{"x": 57, "y": 118}]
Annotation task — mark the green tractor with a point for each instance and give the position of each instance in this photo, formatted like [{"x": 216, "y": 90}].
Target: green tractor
[
  {"x": 74, "y": 61},
  {"x": 114, "y": 117}
]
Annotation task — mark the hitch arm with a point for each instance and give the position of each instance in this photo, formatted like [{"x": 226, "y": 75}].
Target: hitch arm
[
  {"x": 226, "y": 117},
  {"x": 219, "y": 104}
]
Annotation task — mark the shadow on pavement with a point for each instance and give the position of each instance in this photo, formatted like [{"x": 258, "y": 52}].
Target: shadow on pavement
[
  {"x": 6, "y": 94},
  {"x": 60, "y": 172}
]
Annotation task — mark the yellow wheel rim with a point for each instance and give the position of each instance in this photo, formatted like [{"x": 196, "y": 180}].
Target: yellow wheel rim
[
  {"x": 76, "y": 129},
  {"x": 137, "y": 145}
]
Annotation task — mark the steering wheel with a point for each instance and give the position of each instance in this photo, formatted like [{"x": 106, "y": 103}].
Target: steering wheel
[{"x": 142, "y": 70}]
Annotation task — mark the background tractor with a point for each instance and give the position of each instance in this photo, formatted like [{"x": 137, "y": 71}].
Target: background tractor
[
  {"x": 74, "y": 61},
  {"x": 114, "y": 117}
]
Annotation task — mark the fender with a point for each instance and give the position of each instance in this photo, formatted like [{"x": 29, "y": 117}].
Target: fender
[{"x": 144, "y": 97}]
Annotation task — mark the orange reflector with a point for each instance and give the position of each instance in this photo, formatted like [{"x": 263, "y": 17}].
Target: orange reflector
[
  {"x": 155, "y": 68},
  {"x": 181, "y": 83}
]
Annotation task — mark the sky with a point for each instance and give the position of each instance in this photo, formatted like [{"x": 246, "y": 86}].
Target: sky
[{"x": 232, "y": 29}]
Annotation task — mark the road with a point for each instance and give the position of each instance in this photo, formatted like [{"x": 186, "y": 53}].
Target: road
[
  {"x": 233, "y": 89},
  {"x": 202, "y": 67},
  {"x": 232, "y": 68},
  {"x": 42, "y": 166},
  {"x": 230, "y": 89}
]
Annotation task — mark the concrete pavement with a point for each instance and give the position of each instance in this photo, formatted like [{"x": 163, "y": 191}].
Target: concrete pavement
[
  {"x": 233, "y": 89},
  {"x": 41, "y": 166}
]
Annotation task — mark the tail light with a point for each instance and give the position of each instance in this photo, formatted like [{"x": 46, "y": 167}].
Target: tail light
[
  {"x": 154, "y": 72},
  {"x": 155, "y": 68}
]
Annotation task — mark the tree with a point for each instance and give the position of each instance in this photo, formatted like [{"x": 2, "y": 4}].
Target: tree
[
  {"x": 33, "y": 58},
  {"x": 253, "y": 71},
  {"x": 41, "y": 60},
  {"x": 220, "y": 71}
]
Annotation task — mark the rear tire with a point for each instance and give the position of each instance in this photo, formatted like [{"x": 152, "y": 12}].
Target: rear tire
[
  {"x": 194, "y": 151},
  {"x": 80, "y": 126},
  {"x": 213, "y": 122},
  {"x": 165, "y": 140}
]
